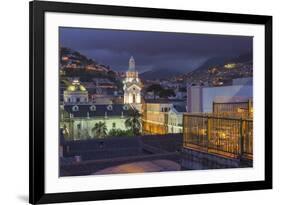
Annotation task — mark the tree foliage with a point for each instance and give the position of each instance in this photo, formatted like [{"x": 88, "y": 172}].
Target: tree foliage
[
  {"x": 120, "y": 133},
  {"x": 158, "y": 90},
  {"x": 99, "y": 130},
  {"x": 133, "y": 122},
  {"x": 166, "y": 93}
]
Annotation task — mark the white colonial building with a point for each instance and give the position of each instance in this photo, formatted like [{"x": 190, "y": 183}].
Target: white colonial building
[
  {"x": 132, "y": 85},
  {"x": 79, "y": 116},
  {"x": 175, "y": 119},
  {"x": 80, "y": 119}
]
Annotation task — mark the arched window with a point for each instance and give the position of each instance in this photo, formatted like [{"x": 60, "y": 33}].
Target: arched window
[
  {"x": 125, "y": 107},
  {"x": 109, "y": 107},
  {"x": 75, "y": 108},
  {"x": 93, "y": 108}
]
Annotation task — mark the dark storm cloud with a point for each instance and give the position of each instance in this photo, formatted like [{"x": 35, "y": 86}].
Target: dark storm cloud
[{"x": 152, "y": 50}]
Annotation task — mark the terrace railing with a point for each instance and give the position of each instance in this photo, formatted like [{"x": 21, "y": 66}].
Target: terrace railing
[
  {"x": 237, "y": 109},
  {"x": 227, "y": 136}
]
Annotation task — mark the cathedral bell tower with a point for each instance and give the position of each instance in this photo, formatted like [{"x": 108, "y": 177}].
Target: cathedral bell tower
[{"x": 132, "y": 85}]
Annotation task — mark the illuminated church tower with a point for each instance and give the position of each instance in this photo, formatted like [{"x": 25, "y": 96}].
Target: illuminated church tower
[{"x": 132, "y": 85}]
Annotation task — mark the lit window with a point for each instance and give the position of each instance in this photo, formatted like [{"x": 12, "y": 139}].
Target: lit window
[
  {"x": 93, "y": 108},
  {"x": 125, "y": 107},
  {"x": 75, "y": 108}
]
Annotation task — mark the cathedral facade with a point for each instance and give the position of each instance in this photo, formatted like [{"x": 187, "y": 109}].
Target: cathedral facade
[{"x": 132, "y": 85}]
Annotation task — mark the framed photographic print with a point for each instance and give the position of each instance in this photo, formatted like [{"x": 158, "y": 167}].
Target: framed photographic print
[{"x": 140, "y": 102}]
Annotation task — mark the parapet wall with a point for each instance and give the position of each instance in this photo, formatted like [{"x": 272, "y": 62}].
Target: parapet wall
[{"x": 197, "y": 160}]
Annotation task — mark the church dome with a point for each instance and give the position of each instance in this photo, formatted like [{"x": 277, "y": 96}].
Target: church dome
[{"x": 76, "y": 87}]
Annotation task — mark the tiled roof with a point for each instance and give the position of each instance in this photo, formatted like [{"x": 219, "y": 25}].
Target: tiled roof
[
  {"x": 166, "y": 101},
  {"x": 98, "y": 110}
]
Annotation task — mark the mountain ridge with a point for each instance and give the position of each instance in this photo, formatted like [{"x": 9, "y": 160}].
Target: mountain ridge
[
  {"x": 159, "y": 74},
  {"x": 221, "y": 70}
]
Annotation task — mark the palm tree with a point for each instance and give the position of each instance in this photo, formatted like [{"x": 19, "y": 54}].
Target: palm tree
[
  {"x": 100, "y": 130},
  {"x": 134, "y": 121}
]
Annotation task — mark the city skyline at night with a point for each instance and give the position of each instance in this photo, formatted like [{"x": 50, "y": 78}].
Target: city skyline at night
[{"x": 135, "y": 101}]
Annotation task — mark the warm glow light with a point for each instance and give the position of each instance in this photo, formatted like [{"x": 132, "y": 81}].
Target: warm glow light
[
  {"x": 71, "y": 88},
  {"x": 82, "y": 88},
  {"x": 230, "y": 65},
  {"x": 202, "y": 132}
]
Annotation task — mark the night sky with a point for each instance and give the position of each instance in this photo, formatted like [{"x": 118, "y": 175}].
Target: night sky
[{"x": 152, "y": 50}]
